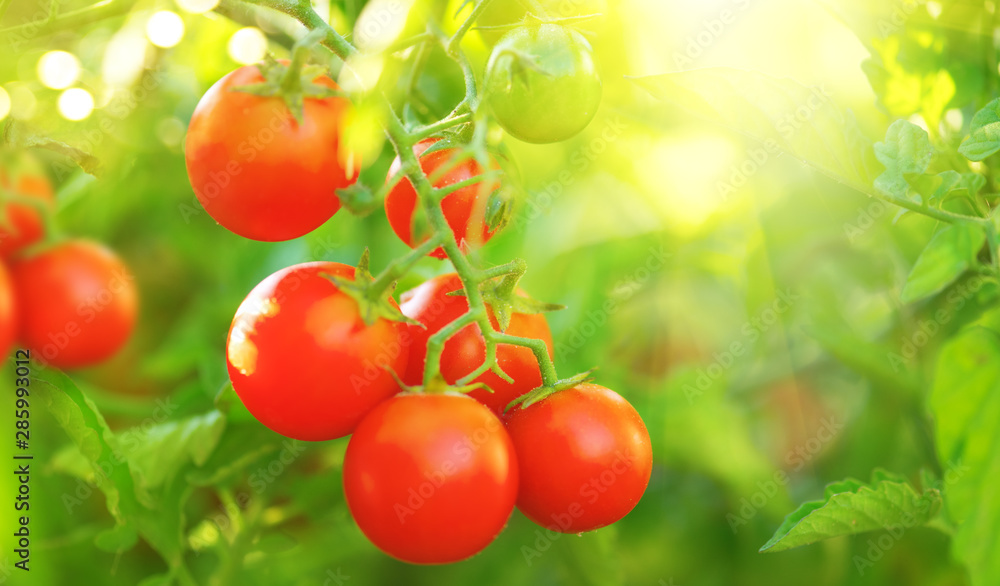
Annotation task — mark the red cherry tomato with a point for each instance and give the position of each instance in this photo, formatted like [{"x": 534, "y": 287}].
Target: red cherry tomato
[
  {"x": 430, "y": 479},
  {"x": 78, "y": 303},
  {"x": 465, "y": 209},
  {"x": 24, "y": 225},
  {"x": 256, "y": 170},
  {"x": 464, "y": 352},
  {"x": 8, "y": 313},
  {"x": 585, "y": 458},
  {"x": 302, "y": 359}
]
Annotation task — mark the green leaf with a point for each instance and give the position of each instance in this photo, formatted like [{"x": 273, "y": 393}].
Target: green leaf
[
  {"x": 157, "y": 580},
  {"x": 117, "y": 539},
  {"x": 984, "y": 137},
  {"x": 241, "y": 445},
  {"x": 277, "y": 542},
  {"x": 934, "y": 188},
  {"x": 906, "y": 151},
  {"x": 85, "y": 426},
  {"x": 949, "y": 254},
  {"x": 865, "y": 358},
  {"x": 965, "y": 402},
  {"x": 168, "y": 447},
  {"x": 228, "y": 402},
  {"x": 850, "y": 507},
  {"x": 590, "y": 559},
  {"x": 803, "y": 122}
]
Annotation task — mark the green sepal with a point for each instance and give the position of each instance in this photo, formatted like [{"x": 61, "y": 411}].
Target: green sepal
[
  {"x": 499, "y": 209},
  {"x": 358, "y": 199},
  {"x": 293, "y": 83},
  {"x": 531, "y": 397},
  {"x": 372, "y": 304},
  {"x": 504, "y": 301}
]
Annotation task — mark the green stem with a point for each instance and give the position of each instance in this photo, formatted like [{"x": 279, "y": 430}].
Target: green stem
[
  {"x": 502, "y": 270},
  {"x": 291, "y": 83},
  {"x": 70, "y": 20},
  {"x": 443, "y": 192},
  {"x": 402, "y": 266},
  {"x": 538, "y": 348},
  {"x": 937, "y": 214},
  {"x": 509, "y": 283},
  {"x": 437, "y": 127},
  {"x": 452, "y": 46},
  {"x": 435, "y": 344},
  {"x": 409, "y": 42}
]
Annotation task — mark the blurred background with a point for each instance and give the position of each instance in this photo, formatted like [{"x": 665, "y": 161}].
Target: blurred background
[{"x": 756, "y": 304}]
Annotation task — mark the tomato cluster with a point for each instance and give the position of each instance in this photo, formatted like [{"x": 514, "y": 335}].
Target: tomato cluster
[
  {"x": 432, "y": 477},
  {"x": 73, "y": 303},
  {"x": 317, "y": 351}
]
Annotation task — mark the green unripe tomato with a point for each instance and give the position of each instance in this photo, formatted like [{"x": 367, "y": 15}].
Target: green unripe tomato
[{"x": 542, "y": 84}]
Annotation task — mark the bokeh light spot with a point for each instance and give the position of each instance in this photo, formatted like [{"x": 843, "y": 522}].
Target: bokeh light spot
[
  {"x": 58, "y": 69},
  {"x": 76, "y": 104}
]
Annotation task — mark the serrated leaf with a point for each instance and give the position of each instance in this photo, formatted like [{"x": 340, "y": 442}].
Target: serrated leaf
[
  {"x": 803, "y": 122},
  {"x": 166, "y": 448},
  {"x": 850, "y": 507},
  {"x": 984, "y": 135},
  {"x": 949, "y": 254},
  {"x": 86, "y": 427},
  {"x": 241, "y": 445},
  {"x": 934, "y": 188},
  {"x": 906, "y": 150},
  {"x": 965, "y": 402}
]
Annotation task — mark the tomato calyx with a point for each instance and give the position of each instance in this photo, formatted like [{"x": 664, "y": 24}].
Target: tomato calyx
[
  {"x": 518, "y": 68},
  {"x": 292, "y": 82},
  {"x": 530, "y": 398},
  {"x": 374, "y": 300},
  {"x": 503, "y": 297},
  {"x": 359, "y": 199}
]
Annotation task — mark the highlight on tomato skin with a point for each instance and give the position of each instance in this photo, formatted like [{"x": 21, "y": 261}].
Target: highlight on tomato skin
[
  {"x": 431, "y": 478},
  {"x": 78, "y": 303},
  {"x": 303, "y": 361},
  {"x": 464, "y": 209},
  {"x": 585, "y": 458},
  {"x": 430, "y": 304},
  {"x": 260, "y": 173}
]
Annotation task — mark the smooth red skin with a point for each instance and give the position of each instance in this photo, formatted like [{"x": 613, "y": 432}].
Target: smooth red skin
[
  {"x": 8, "y": 312},
  {"x": 464, "y": 352},
  {"x": 570, "y": 439},
  {"x": 302, "y": 359},
  {"x": 24, "y": 224},
  {"x": 407, "y": 443},
  {"x": 78, "y": 303},
  {"x": 465, "y": 209},
  {"x": 283, "y": 190}
]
